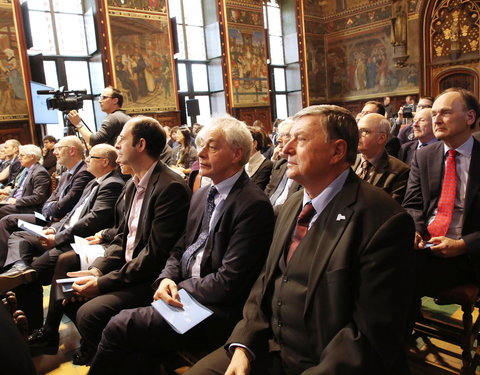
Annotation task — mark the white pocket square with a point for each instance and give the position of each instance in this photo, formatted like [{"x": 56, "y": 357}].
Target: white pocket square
[{"x": 340, "y": 217}]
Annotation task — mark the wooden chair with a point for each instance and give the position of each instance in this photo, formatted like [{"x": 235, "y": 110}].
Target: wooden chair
[{"x": 467, "y": 296}]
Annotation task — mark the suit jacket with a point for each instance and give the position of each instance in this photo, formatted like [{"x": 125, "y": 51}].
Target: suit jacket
[
  {"x": 262, "y": 174},
  {"x": 112, "y": 125},
  {"x": 50, "y": 162},
  {"x": 96, "y": 214},
  {"x": 234, "y": 252},
  {"x": 278, "y": 170},
  {"x": 15, "y": 169},
  {"x": 67, "y": 193},
  {"x": 36, "y": 188},
  {"x": 358, "y": 285},
  {"x": 162, "y": 221},
  {"x": 407, "y": 151},
  {"x": 391, "y": 175},
  {"x": 424, "y": 189}
]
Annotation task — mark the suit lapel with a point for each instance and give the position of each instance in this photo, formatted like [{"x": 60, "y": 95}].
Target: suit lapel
[
  {"x": 285, "y": 222},
  {"x": 380, "y": 170},
  {"x": 327, "y": 232},
  {"x": 473, "y": 184},
  {"x": 435, "y": 172}
]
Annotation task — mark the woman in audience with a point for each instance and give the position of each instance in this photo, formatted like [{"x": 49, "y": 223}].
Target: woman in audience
[
  {"x": 185, "y": 153},
  {"x": 258, "y": 167}
]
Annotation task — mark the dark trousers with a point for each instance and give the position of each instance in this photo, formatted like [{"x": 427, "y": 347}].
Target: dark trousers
[
  {"x": 92, "y": 316},
  {"x": 216, "y": 363},
  {"x": 138, "y": 340},
  {"x": 8, "y": 225}
]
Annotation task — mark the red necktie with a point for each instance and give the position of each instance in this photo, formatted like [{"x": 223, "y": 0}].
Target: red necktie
[
  {"x": 439, "y": 226},
  {"x": 301, "y": 228}
]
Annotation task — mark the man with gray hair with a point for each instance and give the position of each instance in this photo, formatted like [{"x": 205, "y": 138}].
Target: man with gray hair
[
  {"x": 32, "y": 185},
  {"x": 323, "y": 303},
  {"x": 229, "y": 229},
  {"x": 373, "y": 163}
]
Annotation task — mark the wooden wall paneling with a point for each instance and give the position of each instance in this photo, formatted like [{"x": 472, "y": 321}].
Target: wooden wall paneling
[
  {"x": 302, "y": 45},
  {"x": 170, "y": 119},
  {"x": 249, "y": 115},
  {"x": 104, "y": 41}
]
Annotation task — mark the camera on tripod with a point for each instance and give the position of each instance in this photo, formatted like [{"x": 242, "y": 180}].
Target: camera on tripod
[{"x": 65, "y": 101}]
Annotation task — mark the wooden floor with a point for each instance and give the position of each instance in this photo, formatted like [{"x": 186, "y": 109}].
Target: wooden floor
[{"x": 428, "y": 356}]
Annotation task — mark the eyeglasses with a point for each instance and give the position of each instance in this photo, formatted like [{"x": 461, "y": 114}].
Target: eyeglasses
[
  {"x": 284, "y": 136},
  {"x": 102, "y": 97},
  {"x": 96, "y": 157},
  {"x": 120, "y": 139},
  {"x": 421, "y": 106}
]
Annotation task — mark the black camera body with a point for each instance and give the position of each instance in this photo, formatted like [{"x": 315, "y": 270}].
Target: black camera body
[
  {"x": 408, "y": 112},
  {"x": 65, "y": 101}
]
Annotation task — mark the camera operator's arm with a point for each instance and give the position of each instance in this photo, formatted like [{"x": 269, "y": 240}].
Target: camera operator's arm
[{"x": 76, "y": 121}]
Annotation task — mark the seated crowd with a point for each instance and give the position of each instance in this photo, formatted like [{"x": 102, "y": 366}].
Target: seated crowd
[{"x": 312, "y": 252}]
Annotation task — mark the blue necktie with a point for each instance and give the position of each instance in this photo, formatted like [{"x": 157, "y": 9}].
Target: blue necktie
[{"x": 202, "y": 237}]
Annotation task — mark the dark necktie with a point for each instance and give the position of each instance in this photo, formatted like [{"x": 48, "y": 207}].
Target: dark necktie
[
  {"x": 439, "y": 226},
  {"x": 301, "y": 228},
  {"x": 202, "y": 237},
  {"x": 364, "y": 169}
]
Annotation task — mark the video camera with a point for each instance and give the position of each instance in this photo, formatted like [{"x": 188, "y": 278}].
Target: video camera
[{"x": 65, "y": 101}]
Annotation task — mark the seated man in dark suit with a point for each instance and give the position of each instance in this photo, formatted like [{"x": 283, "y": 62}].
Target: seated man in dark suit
[
  {"x": 280, "y": 186},
  {"x": 324, "y": 303},
  {"x": 393, "y": 144},
  {"x": 228, "y": 232},
  {"x": 157, "y": 206},
  {"x": 71, "y": 186},
  {"x": 373, "y": 164},
  {"x": 443, "y": 196},
  {"x": 423, "y": 132},
  {"x": 258, "y": 167},
  {"x": 8, "y": 175},
  {"x": 49, "y": 157},
  {"x": 93, "y": 212},
  {"x": 32, "y": 187}
]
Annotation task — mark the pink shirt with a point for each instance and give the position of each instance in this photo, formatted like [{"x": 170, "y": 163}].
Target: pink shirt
[{"x": 141, "y": 186}]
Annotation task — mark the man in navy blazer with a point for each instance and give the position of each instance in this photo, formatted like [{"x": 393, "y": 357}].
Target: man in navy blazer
[
  {"x": 216, "y": 261},
  {"x": 33, "y": 186},
  {"x": 335, "y": 290},
  {"x": 454, "y": 258},
  {"x": 423, "y": 132}
]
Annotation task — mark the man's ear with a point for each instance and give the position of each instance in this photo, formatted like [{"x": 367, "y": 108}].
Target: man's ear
[
  {"x": 141, "y": 145},
  {"x": 340, "y": 149}
]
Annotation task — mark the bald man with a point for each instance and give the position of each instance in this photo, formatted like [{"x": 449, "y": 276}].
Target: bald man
[
  {"x": 373, "y": 164},
  {"x": 423, "y": 133}
]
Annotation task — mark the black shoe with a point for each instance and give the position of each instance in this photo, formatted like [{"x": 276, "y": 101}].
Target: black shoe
[
  {"x": 20, "y": 273},
  {"x": 82, "y": 358},
  {"x": 41, "y": 342}
]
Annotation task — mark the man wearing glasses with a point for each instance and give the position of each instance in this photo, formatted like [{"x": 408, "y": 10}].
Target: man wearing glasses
[
  {"x": 406, "y": 133},
  {"x": 373, "y": 164},
  {"x": 111, "y": 101}
]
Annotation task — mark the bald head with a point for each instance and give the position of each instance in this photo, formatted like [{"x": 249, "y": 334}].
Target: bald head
[{"x": 373, "y": 132}]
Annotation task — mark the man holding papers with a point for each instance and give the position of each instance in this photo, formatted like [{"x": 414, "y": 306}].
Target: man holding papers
[
  {"x": 92, "y": 212},
  {"x": 69, "y": 153},
  {"x": 157, "y": 205},
  {"x": 229, "y": 229}
]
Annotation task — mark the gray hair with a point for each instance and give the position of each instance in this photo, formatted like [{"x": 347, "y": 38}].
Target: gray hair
[
  {"x": 236, "y": 134},
  {"x": 338, "y": 123},
  {"x": 73, "y": 141},
  {"x": 33, "y": 150}
]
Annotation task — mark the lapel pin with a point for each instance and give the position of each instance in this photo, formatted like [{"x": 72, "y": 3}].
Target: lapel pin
[{"x": 340, "y": 217}]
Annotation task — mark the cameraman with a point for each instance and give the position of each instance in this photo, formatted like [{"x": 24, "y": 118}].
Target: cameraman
[{"x": 111, "y": 101}]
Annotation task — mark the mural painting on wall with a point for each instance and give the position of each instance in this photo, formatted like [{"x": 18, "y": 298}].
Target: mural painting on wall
[
  {"x": 151, "y": 5},
  {"x": 455, "y": 30},
  {"x": 359, "y": 67},
  {"x": 317, "y": 88},
  {"x": 248, "y": 68},
  {"x": 246, "y": 17},
  {"x": 13, "y": 104},
  {"x": 245, "y": 2},
  {"x": 143, "y": 61}
]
